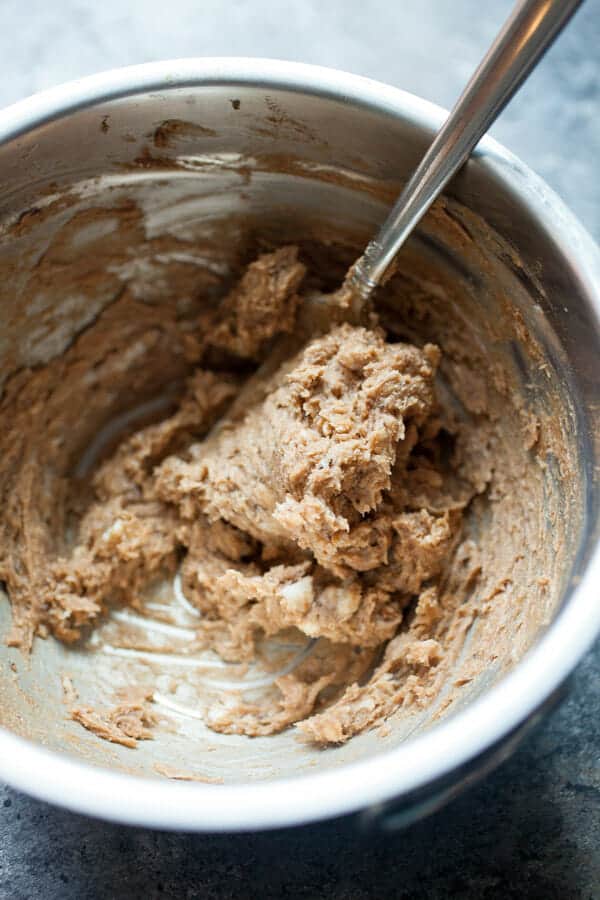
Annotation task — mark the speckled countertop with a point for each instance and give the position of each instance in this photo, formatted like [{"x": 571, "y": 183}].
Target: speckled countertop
[{"x": 532, "y": 829}]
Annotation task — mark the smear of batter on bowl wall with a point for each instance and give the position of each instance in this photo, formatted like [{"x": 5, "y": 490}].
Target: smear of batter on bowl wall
[{"x": 307, "y": 481}]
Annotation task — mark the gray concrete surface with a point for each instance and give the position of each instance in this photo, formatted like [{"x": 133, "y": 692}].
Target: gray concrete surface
[{"x": 532, "y": 829}]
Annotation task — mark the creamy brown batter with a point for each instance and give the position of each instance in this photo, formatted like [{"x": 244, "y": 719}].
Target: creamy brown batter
[{"x": 306, "y": 479}]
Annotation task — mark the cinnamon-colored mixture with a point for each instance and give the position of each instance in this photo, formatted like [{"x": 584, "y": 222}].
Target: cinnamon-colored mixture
[{"x": 307, "y": 479}]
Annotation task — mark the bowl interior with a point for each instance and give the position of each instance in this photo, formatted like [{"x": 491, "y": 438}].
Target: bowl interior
[{"x": 166, "y": 195}]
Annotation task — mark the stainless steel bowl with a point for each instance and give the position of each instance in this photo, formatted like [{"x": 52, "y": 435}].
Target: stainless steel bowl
[{"x": 292, "y": 145}]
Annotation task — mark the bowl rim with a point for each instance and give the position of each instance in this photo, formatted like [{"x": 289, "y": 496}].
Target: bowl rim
[{"x": 61, "y": 779}]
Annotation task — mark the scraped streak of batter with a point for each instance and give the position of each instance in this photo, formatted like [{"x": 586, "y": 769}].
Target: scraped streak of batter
[{"x": 317, "y": 493}]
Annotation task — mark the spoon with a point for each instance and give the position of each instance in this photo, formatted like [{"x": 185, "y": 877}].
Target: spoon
[{"x": 526, "y": 35}]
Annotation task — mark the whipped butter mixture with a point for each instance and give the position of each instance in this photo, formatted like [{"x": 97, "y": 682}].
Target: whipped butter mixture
[{"x": 308, "y": 477}]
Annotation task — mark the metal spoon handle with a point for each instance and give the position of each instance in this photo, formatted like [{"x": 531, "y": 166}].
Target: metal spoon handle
[{"x": 528, "y": 32}]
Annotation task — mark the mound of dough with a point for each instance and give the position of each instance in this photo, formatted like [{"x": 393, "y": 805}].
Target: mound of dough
[{"x": 315, "y": 494}]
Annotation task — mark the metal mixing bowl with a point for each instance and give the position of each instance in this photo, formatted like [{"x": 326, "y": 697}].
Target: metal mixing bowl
[{"x": 289, "y": 144}]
